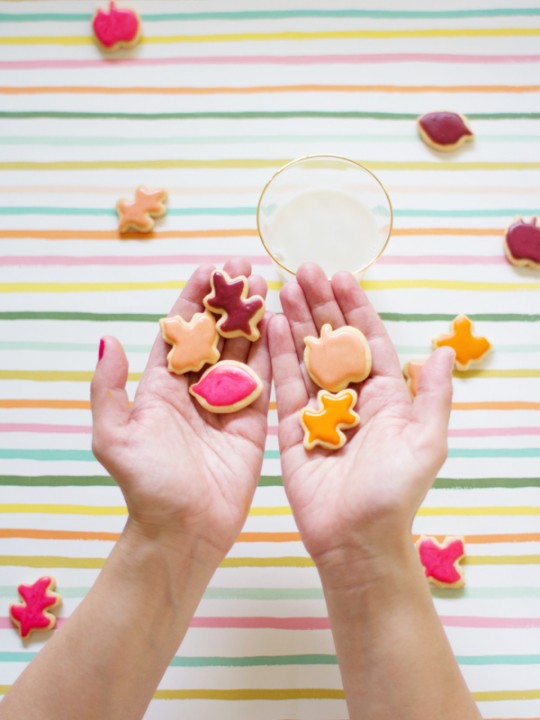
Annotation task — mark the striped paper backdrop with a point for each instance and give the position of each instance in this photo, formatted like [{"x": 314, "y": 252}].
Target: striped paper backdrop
[{"x": 218, "y": 96}]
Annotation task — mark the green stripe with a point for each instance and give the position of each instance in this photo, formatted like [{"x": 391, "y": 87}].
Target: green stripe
[
  {"x": 56, "y": 480},
  {"x": 248, "y": 115},
  {"x": 493, "y": 452},
  {"x": 46, "y": 454},
  {"x": 485, "y": 482}
]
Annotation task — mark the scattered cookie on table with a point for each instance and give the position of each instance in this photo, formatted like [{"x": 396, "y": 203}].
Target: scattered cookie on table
[
  {"x": 325, "y": 425},
  {"x": 240, "y": 314},
  {"x": 444, "y": 130},
  {"x": 411, "y": 373},
  {"x": 194, "y": 343},
  {"x": 522, "y": 244},
  {"x": 116, "y": 28},
  {"x": 338, "y": 357},
  {"x": 227, "y": 387},
  {"x": 469, "y": 348},
  {"x": 138, "y": 215},
  {"x": 441, "y": 560},
  {"x": 33, "y": 613}
]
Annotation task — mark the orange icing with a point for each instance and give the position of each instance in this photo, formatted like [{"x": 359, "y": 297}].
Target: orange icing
[
  {"x": 338, "y": 357},
  {"x": 323, "y": 426},
  {"x": 411, "y": 371},
  {"x": 139, "y": 215},
  {"x": 194, "y": 342},
  {"x": 468, "y": 347}
]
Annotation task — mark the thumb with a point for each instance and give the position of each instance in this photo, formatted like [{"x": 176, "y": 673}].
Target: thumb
[
  {"x": 109, "y": 400},
  {"x": 433, "y": 401}
]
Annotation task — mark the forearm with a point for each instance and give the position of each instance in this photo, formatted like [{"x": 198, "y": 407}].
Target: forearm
[
  {"x": 394, "y": 657},
  {"x": 108, "y": 659}
]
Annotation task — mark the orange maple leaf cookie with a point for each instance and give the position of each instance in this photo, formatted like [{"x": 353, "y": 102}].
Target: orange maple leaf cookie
[
  {"x": 338, "y": 357},
  {"x": 441, "y": 560},
  {"x": 33, "y": 613},
  {"x": 470, "y": 349},
  {"x": 324, "y": 426},
  {"x": 138, "y": 215},
  {"x": 411, "y": 373},
  {"x": 194, "y": 343}
]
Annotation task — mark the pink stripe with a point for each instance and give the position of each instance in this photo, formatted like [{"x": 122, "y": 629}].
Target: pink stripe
[
  {"x": 489, "y": 622},
  {"x": 493, "y": 432},
  {"x": 42, "y": 428},
  {"x": 273, "y": 60},
  {"x": 125, "y": 260},
  {"x": 442, "y": 260}
]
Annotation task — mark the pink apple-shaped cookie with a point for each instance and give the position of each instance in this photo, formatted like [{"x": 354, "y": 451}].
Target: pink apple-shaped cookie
[
  {"x": 116, "y": 28},
  {"x": 522, "y": 243}
]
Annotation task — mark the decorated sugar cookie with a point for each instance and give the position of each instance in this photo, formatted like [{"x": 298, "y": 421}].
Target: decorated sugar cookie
[
  {"x": 33, "y": 613},
  {"x": 194, "y": 343},
  {"x": 444, "y": 130},
  {"x": 411, "y": 373},
  {"x": 338, "y": 358},
  {"x": 441, "y": 560},
  {"x": 522, "y": 244},
  {"x": 117, "y": 28},
  {"x": 325, "y": 425},
  {"x": 227, "y": 387},
  {"x": 240, "y": 314},
  {"x": 469, "y": 348},
  {"x": 138, "y": 215}
]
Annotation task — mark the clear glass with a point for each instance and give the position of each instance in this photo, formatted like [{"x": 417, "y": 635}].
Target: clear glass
[{"x": 325, "y": 209}]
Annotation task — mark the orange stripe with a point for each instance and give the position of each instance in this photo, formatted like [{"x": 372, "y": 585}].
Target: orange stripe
[
  {"x": 58, "y": 534},
  {"x": 64, "y": 404},
  {"x": 257, "y": 89},
  {"x": 115, "y": 235},
  {"x": 504, "y": 405}
]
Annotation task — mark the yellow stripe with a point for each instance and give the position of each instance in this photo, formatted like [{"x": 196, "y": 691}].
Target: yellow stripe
[
  {"x": 494, "y": 695},
  {"x": 448, "y": 285},
  {"x": 256, "y": 511},
  {"x": 62, "y": 509},
  {"x": 501, "y": 560},
  {"x": 48, "y": 562},
  {"x": 56, "y": 375},
  {"x": 267, "y": 562},
  {"x": 525, "y": 373},
  {"x": 101, "y": 287}
]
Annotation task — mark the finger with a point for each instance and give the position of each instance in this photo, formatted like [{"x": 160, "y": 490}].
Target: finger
[
  {"x": 298, "y": 313},
  {"x": 258, "y": 359},
  {"x": 433, "y": 401},
  {"x": 319, "y": 296},
  {"x": 240, "y": 347},
  {"x": 109, "y": 399},
  {"x": 359, "y": 313}
]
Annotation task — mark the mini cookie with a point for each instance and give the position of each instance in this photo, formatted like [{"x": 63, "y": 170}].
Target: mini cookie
[
  {"x": 139, "y": 215},
  {"x": 324, "y": 426},
  {"x": 440, "y": 560},
  {"x": 444, "y": 130},
  {"x": 411, "y": 373},
  {"x": 522, "y": 244},
  {"x": 241, "y": 314},
  {"x": 227, "y": 387},
  {"x": 32, "y": 614},
  {"x": 338, "y": 358},
  {"x": 117, "y": 28},
  {"x": 194, "y": 343},
  {"x": 469, "y": 348}
]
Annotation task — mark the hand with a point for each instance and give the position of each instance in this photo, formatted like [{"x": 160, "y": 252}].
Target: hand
[
  {"x": 358, "y": 502},
  {"x": 185, "y": 473}
]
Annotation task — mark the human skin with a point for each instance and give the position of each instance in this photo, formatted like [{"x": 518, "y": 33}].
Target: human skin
[{"x": 355, "y": 507}]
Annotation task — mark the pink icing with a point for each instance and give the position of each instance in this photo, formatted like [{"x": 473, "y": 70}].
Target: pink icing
[
  {"x": 523, "y": 240},
  {"x": 225, "y": 384},
  {"x": 31, "y": 615},
  {"x": 115, "y": 26},
  {"x": 439, "y": 561},
  {"x": 444, "y": 128}
]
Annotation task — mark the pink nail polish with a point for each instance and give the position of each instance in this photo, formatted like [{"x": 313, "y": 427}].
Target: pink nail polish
[{"x": 101, "y": 350}]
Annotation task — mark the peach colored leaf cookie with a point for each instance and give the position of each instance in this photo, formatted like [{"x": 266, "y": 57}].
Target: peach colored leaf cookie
[
  {"x": 227, "y": 387},
  {"x": 33, "y": 613},
  {"x": 194, "y": 343},
  {"x": 444, "y": 130},
  {"x": 240, "y": 314},
  {"x": 469, "y": 348},
  {"x": 441, "y": 560},
  {"x": 522, "y": 244},
  {"x": 324, "y": 426},
  {"x": 338, "y": 357},
  {"x": 411, "y": 373},
  {"x": 117, "y": 28},
  {"x": 139, "y": 215}
]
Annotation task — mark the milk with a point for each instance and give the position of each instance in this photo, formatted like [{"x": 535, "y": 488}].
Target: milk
[{"x": 325, "y": 226}]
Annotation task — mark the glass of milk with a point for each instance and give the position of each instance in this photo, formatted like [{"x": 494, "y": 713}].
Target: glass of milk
[{"x": 325, "y": 209}]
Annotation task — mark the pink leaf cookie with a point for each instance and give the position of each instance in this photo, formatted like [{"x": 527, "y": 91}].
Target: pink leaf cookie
[
  {"x": 440, "y": 560},
  {"x": 522, "y": 244},
  {"x": 338, "y": 357},
  {"x": 194, "y": 343},
  {"x": 324, "y": 426},
  {"x": 227, "y": 387},
  {"x": 117, "y": 28},
  {"x": 444, "y": 130},
  {"x": 32, "y": 614},
  {"x": 240, "y": 314},
  {"x": 138, "y": 215}
]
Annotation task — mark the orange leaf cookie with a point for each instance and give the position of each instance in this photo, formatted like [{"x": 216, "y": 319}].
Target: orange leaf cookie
[
  {"x": 338, "y": 358},
  {"x": 32, "y": 614},
  {"x": 444, "y": 130},
  {"x": 240, "y": 314},
  {"x": 324, "y": 426},
  {"x": 522, "y": 244},
  {"x": 440, "y": 560},
  {"x": 411, "y": 373},
  {"x": 194, "y": 343},
  {"x": 139, "y": 215},
  {"x": 469, "y": 348}
]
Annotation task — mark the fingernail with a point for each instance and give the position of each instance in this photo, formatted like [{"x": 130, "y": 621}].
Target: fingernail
[{"x": 101, "y": 350}]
